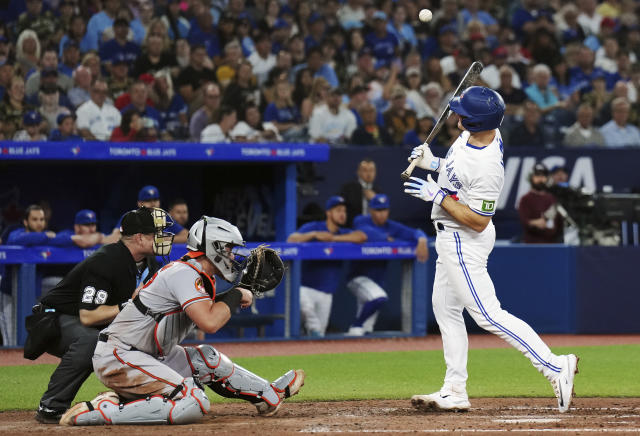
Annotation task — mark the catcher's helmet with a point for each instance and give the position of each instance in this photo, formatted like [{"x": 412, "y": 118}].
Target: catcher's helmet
[
  {"x": 211, "y": 236},
  {"x": 480, "y": 108}
]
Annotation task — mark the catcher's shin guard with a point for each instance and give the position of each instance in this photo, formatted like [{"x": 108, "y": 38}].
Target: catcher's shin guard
[
  {"x": 156, "y": 409},
  {"x": 228, "y": 379}
]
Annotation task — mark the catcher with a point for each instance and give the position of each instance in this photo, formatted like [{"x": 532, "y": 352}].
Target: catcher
[{"x": 157, "y": 381}]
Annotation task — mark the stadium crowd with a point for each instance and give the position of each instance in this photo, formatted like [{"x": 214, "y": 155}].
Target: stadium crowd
[{"x": 363, "y": 72}]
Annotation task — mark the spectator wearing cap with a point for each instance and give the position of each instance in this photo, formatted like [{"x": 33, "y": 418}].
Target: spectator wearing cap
[
  {"x": 75, "y": 33},
  {"x": 119, "y": 45},
  {"x": 48, "y": 72},
  {"x": 50, "y": 107},
  {"x": 582, "y": 132},
  {"x": 139, "y": 94},
  {"x": 443, "y": 45},
  {"x": 402, "y": 30},
  {"x": 119, "y": 80},
  {"x": 81, "y": 91},
  {"x": 99, "y": 22},
  {"x": 384, "y": 45},
  {"x": 219, "y": 132},
  {"x": 33, "y": 231},
  {"x": 618, "y": 132},
  {"x": 369, "y": 132},
  {"x": 177, "y": 25},
  {"x": 84, "y": 234},
  {"x": 419, "y": 135},
  {"x": 43, "y": 22},
  {"x": 540, "y": 221},
  {"x": 317, "y": 30},
  {"x": 155, "y": 55},
  {"x": 351, "y": 14},
  {"x": 149, "y": 197},
  {"x": 32, "y": 128},
  {"x": 366, "y": 279},
  {"x": 96, "y": 118},
  {"x": 332, "y": 123},
  {"x": 528, "y": 132},
  {"x": 318, "y": 280},
  {"x": 207, "y": 113},
  {"x": 262, "y": 60},
  {"x": 13, "y": 107},
  {"x": 66, "y": 130},
  {"x": 70, "y": 58},
  {"x": 398, "y": 119}
]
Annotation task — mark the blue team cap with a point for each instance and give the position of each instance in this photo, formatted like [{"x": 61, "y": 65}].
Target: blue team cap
[
  {"x": 314, "y": 17},
  {"x": 334, "y": 201},
  {"x": 32, "y": 118},
  {"x": 281, "y": 23},
  {"x": 85, "y": 216},
  {"x": 379, "y": 201},
  {"x": 286, "y": 10},
  {"x": 379, "y": 15},
  {"x": 448, "y": 28},
  {"x": 148, "y": 192}
]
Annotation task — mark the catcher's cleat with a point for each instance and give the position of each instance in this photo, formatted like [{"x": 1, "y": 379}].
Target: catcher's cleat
[
  {"x": 563, "y": 384},
  {"x": 441, "y": 401},
  {"x": 69, "y": 418},
  {"x": 289, "y": 390}
]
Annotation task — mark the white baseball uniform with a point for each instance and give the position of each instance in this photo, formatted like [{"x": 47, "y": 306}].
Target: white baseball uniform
[{"x": 475, "y": 176}]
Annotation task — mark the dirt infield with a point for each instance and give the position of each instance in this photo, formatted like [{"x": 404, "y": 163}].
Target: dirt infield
[{"x": 488, "y": 415}]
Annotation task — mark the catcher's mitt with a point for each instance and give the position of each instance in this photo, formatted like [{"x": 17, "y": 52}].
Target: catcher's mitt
[{"x": 263, "y": 270}]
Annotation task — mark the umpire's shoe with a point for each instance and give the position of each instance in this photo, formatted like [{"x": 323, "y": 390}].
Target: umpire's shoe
[
  {"x": 286, "y": 386},
  {"x": 563, "y": 384},
  {"x": 45, "y": 415},
  {"x": 446, "y": 399}
]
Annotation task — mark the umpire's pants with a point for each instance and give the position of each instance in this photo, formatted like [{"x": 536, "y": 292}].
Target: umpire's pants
[{"x": 76, "y": 347}]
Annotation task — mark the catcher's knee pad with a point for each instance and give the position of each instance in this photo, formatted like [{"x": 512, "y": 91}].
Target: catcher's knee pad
[
  {"x": 157, "y": 409},
  {"x": 228, "y": 379}
]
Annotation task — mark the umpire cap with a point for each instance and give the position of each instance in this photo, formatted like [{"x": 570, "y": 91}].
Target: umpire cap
[{"x": 138, "y": 221}]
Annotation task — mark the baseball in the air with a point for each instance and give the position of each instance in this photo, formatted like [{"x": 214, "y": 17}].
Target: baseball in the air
[{"x": 425, "y": 15}]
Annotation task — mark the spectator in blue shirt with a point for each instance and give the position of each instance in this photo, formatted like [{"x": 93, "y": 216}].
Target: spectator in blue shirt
[
  {"x": 366, "y": 278},
  {"x": 139, "y": 94},
  {"x": 319, "y": 278},
  {"x": 539, "y": 91},
  {"x": 318, "y": 67},
  {"x": 34, "y": 231},
  {"x": 317, "y": 28},
  {"x": 472, "y": 11},
  {"x": 283, "y": 113},
  {"x": 618, "y": 132},
  {"x": 203, "y": 33},
  {"x": 582, "y": 74},
  {"x": 66, "y": 129},
  {"x": 84, "y": 233},
  {"x": 119, "y": 45},
  {"x": 384, "y": 45},
  {"x": 402, "y": 30},
  {"x": 70, "y": 58},
  {"x": 100, "y": 22},
  {"x": 149, "y": 197}
]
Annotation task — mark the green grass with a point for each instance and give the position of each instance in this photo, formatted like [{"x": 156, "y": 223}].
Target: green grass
[{"x": 605, "y": 371}]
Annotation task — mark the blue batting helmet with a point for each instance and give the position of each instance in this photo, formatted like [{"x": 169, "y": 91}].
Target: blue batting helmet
[{"x": 480, "y": 108}]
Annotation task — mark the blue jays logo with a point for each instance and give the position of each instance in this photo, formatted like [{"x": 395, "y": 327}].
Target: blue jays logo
[
  {"x": 45, "y": 254},
  {"x": 75, "y": 150},
  {"x": 209, "y": 151},
  {"x": 328, "y": 251}
]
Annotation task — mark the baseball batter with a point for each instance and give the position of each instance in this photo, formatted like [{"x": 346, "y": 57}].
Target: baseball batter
[
  {"x": 155, "y": 380},
  {"x": 470, "y": 179}
]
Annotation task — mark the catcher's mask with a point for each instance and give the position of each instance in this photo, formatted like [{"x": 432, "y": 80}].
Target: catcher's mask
[{"x": 221, "y": 242}]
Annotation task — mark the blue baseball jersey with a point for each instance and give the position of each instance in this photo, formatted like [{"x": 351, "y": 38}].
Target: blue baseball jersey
[
  {"x": 383, "y": 48},
  {"x": 391, "y": 230},
  {"x": 110, "y": 49},
  {"x": 63, "y": 239},
  {"x": 323, "y": 275},
  {"x": 22, "y": 237}
]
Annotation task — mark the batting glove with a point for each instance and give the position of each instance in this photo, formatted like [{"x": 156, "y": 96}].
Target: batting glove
[
  {"x": 425, "y": 158},
  {"x": 426, "y": 190}
]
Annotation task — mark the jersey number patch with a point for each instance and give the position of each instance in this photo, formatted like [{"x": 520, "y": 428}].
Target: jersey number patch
[{"x": 91, "y": 296}]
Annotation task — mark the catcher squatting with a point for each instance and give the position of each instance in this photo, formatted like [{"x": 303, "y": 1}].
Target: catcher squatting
[{"x": 155, "y": 380}]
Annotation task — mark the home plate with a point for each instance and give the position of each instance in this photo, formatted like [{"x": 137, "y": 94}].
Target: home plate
[{"x": 527, "y": 420}]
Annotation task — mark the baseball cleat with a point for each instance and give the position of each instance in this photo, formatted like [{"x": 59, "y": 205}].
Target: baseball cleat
[
  {"x": 69, "y": 418},
  {"x": 563, "y": 384},
  {"x": 355, "y": 331},
  {"x": 45, "y": 415},
  {"x": 266, "y": 409},
  {"x": 441, "y": 401}
]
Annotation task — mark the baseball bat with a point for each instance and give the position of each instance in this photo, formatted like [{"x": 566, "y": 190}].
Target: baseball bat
[{"x": 469, "y": 79}]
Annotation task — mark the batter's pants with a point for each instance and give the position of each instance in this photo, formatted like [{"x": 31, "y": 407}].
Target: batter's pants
[{"x": 462, "y": 282}]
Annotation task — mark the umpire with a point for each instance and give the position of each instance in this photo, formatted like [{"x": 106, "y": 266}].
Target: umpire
[{"x": 89, "y": 297}]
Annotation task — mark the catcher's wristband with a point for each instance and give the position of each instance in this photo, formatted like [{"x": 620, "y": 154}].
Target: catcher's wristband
[
  {"x": 439, "y": 197},
  {"x": 231, "y": 298}
]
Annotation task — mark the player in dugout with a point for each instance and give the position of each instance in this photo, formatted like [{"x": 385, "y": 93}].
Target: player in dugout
[
  {"x": 157, "y": 381},
  {"x": 470, "y": 179}
]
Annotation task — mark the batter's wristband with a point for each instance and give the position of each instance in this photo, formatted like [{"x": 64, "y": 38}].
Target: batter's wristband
[
  {"x": 440, "y": 196},
  {"x": 231, "y": 298}
]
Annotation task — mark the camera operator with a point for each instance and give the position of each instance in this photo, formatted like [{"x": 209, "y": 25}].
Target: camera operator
[{"x": 541, "y": 223}]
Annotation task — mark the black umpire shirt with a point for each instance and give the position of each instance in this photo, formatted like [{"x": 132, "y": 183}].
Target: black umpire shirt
[{"x": 108, "y": 277}]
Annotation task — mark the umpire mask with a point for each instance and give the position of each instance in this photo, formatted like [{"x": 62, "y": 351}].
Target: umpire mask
[{"x": 162, "y": 240}]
